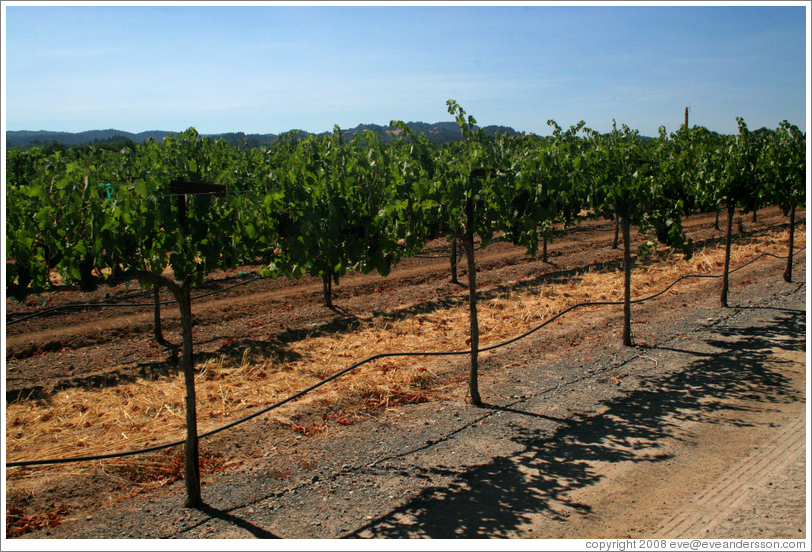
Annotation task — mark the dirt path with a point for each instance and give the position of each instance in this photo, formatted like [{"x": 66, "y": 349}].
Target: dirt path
[
  {"x": 699, "y": 431},
  {"x": 767, "y": 483},
  {"x": 716, "y": 472}
]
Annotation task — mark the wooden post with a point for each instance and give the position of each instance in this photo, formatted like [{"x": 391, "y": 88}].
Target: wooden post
[
  {"x": 617, "y": 231},
  {"x": 156, "y": 292},
  {"x": 731, "y": 207},
  {"x": 183, "y": 297},
  {"x": 454, "y": 279},
  {"x": 327, "y": 288},
  {"x": 627, "y": 281},
  {"x": 181, "y": 293},
  {"x": 468, "y": 244},
  {"x": 183, "y": 188},
  {"x": 788, "y": 271},
  {"x": 192, "y": 475}
]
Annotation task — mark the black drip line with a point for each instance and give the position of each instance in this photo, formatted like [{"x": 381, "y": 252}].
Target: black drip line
[
  {"x": 365, "y": 361},
  {"x": 93, "y": 305}
]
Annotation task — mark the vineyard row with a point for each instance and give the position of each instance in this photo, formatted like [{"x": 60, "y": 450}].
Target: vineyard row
[{"x": 361, "y": 205}]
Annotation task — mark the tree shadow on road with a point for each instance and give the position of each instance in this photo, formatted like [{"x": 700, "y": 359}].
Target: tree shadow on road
[{"x": 498, "y": 498}]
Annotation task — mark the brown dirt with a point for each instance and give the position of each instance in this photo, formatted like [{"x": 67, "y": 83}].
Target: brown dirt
[{"x": 75, "y": 348}]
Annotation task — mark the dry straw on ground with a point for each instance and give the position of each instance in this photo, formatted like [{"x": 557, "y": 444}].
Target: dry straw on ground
[{"x": 84, "y": 422}]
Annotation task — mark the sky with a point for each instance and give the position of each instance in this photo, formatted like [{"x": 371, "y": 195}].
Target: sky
[{"x": 269, "y": 68}]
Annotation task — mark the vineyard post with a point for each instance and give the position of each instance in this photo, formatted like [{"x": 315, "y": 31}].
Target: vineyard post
[
  {"x": 627, "y": 281},
  {"x": 327, "y": 288},
  {"x": 467, "y": 240},
  {"x": 182, "y": 294},
  {"x": 788, "y": 271},
  {"x": 617, "y": 230},
  {"x": 156, "y": 292},
  {"x": 454, "y": 279},
  {"x": 731, "y": 208}
]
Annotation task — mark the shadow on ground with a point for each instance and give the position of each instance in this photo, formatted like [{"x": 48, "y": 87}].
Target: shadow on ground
[
  {"x": 497, "y": 498},
  {"x": 215, "y": 513}
]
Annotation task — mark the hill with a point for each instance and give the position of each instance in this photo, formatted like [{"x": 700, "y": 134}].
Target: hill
[
  {"x": 438, "y": 133},
  {"x": 24, "y": 138}
]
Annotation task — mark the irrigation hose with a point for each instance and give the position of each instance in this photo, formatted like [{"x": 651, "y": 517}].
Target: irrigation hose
[
  {"x": 172, "y": 301},
  {"x": 93, "y": 305},
  {"x": 366, "y": 361},
  {"x": 169, "y": 302}
]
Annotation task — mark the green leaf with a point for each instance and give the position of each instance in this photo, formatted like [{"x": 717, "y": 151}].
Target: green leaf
[
  {"x": 141, "y": 188},
  {"x": 26, "y": 242},
  {"x": 37, "y": 192}
]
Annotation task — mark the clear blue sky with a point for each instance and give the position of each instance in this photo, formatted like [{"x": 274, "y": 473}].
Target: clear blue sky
[{"x": 263, "y": 68}]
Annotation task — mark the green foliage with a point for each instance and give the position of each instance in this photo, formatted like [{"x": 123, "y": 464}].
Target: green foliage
[
  {"x": 325, "y": 205},
  {"x": 337, "y": 204},
  {"x": 641, "y": 182},
  {"x": 783, "y": 163},
  {"x": 730, "y": 172}
]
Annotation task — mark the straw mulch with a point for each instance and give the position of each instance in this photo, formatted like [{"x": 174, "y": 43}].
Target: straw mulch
[{"x": 84, "y": 422}]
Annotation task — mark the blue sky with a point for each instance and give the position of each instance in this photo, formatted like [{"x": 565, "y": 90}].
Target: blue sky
[{"x": 269, "y": 68}]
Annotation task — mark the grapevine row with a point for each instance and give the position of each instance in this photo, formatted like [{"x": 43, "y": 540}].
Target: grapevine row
[{"x": 325, "y": 206}]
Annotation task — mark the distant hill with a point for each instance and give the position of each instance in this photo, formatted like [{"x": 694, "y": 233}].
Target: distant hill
[
  {"x": 24, "y": 138},
  {"x": 438, "y": 133}
]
